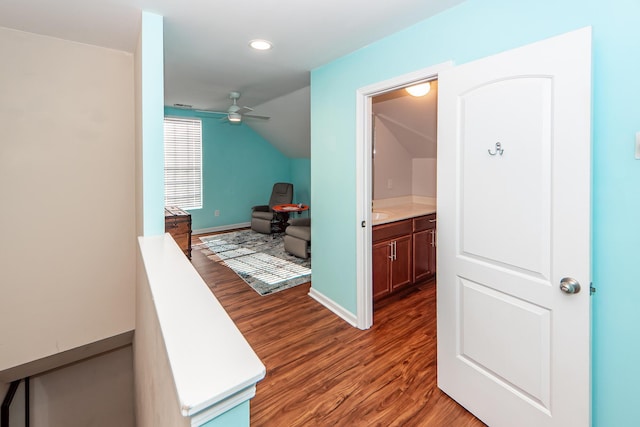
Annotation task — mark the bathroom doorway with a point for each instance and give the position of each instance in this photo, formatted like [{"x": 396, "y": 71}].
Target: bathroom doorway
[
  {"x": 385, "y": 92},
  {"x": 404, "y": 188}
]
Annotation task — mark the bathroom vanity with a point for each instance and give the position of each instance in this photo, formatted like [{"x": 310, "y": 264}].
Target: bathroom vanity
[{"x": 404, "y": 246}]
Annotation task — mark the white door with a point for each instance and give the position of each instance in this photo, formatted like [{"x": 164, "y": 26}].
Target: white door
[{"x": 513, "y": 221}]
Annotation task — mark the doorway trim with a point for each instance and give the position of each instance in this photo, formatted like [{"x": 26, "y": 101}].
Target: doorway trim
[{"x": 364, "y": 153}]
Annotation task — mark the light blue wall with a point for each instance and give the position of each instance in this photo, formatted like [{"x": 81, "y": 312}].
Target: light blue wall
[
  {"x": 301, "y": 179},
  {"x": 472, "y": 30},
  {"x": 235, "y": 417},
  {"x": 152, "y": 82},
  {"x": 239, "y": 170}
]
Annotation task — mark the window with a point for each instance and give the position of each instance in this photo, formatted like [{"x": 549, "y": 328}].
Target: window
[{"x": 183, "y": 162}]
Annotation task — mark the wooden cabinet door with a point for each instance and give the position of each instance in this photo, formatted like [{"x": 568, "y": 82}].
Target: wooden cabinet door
[
  {"x": 401, "y": 271},
  {"x": 381, "y": 269},
  {"x": 432, "y": 251},
  {"x": 422, "y": 255}
]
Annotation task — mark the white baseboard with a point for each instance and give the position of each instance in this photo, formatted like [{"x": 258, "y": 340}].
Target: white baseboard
[
  {"x": 221, "y": 228},
  {"x": 336, "y": 308}
]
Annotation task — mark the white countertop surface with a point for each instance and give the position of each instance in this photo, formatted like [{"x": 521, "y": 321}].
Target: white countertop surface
[{"x": 402, "y": 208}]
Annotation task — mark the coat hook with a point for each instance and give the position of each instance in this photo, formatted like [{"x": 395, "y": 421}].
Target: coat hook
[{"x": 499, "y": 150}]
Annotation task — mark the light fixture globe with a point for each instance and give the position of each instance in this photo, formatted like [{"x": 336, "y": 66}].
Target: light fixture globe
[
  {"x": 421, "y": 89},
  {"x": 234, "y": 117}
]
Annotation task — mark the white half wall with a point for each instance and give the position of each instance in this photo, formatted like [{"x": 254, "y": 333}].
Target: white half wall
[{"x": 192, "y": 366}]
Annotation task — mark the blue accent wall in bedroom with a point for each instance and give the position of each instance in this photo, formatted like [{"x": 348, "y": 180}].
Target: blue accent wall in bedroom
[{"x": 239, "y": 168}]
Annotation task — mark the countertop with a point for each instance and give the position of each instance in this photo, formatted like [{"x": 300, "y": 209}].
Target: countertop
[{"x": 398, "y": 212}]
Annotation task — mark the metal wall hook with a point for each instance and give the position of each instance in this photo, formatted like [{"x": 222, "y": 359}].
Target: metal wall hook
[{"x": 499, "y": 150}]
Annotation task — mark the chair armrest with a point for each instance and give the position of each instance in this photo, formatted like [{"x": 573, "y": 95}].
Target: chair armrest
[
  {"x": 261, "y": 208},
  {"x": 300, "y": 222}
]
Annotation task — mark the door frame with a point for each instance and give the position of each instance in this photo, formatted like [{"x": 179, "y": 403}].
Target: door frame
[{"x": 364, "y": 301}]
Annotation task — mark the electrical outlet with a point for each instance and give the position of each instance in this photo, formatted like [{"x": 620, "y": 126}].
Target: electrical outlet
[
  {"x": 216, "y": 213},
  {"x": 389, "y": 183}
]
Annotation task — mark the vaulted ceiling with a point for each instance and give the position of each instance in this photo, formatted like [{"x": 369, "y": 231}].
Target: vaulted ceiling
[{"x": 206, "y": 45}]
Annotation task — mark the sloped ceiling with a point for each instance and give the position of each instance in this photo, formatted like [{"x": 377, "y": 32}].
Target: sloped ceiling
[
  {"x": 412, "y": 120},
  {"x": 206, "y": 44},
  {"x": 289, "y": 127}
]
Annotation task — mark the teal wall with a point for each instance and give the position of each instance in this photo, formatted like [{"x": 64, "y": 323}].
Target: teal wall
[
  {"x": 301, "y": 177},
  {"x": 239, "y": 168},
  {"x": 470, "y": 31},
  {"x": 235, "y": 417},
  {"x": 152, "y": 94}
]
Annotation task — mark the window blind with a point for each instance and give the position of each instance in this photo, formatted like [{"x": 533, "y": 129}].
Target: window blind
[{"x": 183, "y": 162}]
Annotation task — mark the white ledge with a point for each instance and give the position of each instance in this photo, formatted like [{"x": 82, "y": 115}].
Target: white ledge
[{"x": 213, "y": 366}]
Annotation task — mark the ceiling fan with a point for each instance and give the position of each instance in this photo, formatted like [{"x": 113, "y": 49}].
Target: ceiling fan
[{"x": 236, "y": 113}]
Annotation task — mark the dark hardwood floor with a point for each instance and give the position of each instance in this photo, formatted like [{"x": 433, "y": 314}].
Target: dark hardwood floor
[{"x": 323, "y": 372}]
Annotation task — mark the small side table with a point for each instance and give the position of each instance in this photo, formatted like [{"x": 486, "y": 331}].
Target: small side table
[
  {"x": 291, "y": 207},
  {"x": 283, "y": 211}
]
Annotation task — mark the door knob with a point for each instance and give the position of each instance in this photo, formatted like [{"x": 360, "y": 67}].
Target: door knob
[{"x": 569, "y": 285}]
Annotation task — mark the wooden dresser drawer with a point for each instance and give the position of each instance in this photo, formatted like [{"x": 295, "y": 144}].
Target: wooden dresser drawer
[
  {"x": 392, "y": 229},
  {"x": 177, "y": 222},
  {"x": 424, "y": 222},
  {"x": 177, "y": 227}
]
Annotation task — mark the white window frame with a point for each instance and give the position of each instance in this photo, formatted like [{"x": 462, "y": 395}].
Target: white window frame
[{"x": 183, "y": 162}]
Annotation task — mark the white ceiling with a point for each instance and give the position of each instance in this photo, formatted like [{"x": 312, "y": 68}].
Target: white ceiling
[{"x": 206, "y": 41}]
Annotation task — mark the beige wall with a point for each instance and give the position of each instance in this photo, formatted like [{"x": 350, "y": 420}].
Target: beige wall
[
  {"x": 391, "y": 162},
  {"x": 424, "y": 177},
  {"x": 95, "y": 392},
  {"x": 409, "y": 176},
  {"x": 67, "y": 185}
]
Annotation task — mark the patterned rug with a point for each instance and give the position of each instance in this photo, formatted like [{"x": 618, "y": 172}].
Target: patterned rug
[{"x": 259, "y": 259}]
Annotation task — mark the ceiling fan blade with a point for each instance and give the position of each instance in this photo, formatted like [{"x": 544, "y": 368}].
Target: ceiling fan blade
[
  {"x": 251, "y": 116},
  {"x": 211, "y": 112},
  {"x": 243, "y": 110}
]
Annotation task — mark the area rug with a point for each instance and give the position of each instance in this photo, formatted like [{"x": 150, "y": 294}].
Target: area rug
[{"x": 259, "y": 259}]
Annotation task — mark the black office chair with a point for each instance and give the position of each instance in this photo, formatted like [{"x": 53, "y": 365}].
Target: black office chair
[{"x": 264, "y": 219}]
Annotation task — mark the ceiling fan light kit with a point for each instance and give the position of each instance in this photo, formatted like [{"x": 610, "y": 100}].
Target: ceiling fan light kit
[{"x": 236, "y": 113}]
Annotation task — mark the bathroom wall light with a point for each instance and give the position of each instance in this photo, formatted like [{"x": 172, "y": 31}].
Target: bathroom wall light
[
  {"x": 421, "y": 89},
  {"x": 260, "y": 44}
]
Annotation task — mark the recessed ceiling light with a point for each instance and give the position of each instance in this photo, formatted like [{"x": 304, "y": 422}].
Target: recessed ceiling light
[
  {"x": 260, "y": 44},
  {"x": 420, "y": 89}
]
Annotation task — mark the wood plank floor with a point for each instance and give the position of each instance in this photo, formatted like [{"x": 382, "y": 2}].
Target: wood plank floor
[{"x": 323, "y": 372}]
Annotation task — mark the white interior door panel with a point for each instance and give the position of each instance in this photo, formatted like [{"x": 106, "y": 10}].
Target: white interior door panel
[{"x": 514, "y": 167}]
